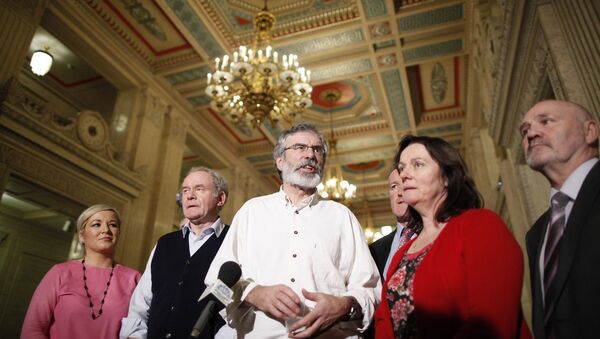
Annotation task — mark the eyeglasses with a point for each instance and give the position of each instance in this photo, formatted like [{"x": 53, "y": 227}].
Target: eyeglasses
[{"x": 302, "y": 148}]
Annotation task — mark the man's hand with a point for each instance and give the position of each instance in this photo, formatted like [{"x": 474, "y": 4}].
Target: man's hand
[
  {"x": 328, "y": 310},
  {"x": 279, "y": 301}
]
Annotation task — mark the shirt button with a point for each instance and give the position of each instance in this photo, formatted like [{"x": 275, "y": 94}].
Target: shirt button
[
  {"x": 180, "y": 283},
  {"x": 297, "y": 212},
  {"x": 168, "y": 335},
  {"x": 294, "y": 255},
  {"x": 295, "y": 232},
  {"x": 172, "y": 308},
  {"x": 293, "y": 280}
]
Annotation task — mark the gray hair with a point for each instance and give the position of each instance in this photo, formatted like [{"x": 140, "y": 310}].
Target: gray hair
[
  {"x": 301, "y": 127},
  {"x": 90, "y": 211},
  {"x": 218, "y": 180}
]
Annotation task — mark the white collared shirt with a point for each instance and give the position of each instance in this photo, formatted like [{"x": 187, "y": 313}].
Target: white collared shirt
[
  {"x": 135, "y": 324},
  {"x": 318, "y": 246},
  {"x": 570, "y": 187},
  {"x": 395, "y": 246}
]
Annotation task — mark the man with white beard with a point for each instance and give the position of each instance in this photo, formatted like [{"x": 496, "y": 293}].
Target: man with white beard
[{"x": 303, "y": 258}]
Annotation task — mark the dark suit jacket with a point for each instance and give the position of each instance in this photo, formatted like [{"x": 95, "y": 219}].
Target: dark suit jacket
[
  {"x": 380, "y": 250},
  {"x": 576, "y": 314}
]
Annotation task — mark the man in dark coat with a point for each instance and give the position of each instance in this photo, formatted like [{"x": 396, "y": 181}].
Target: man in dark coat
[{"x": 560, "y": 140}]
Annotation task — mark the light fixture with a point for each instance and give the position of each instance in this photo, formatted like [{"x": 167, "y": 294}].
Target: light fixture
[
  {"x": 41, "y": 61},
  {"x": 335, "y": 187},
  {"x": 257, "y": 84}
]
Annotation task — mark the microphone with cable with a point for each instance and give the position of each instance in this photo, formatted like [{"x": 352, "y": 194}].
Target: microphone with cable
[{"x": 229, "y": 274}]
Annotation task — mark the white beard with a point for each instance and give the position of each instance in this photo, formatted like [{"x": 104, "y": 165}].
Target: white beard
[{"x": 292, "y": 176}]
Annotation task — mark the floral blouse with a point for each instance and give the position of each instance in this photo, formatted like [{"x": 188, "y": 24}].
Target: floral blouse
[{"x": 399, "y": 294}]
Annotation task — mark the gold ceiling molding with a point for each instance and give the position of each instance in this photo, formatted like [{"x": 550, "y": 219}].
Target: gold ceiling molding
[
  {"x": 108, "y": 18},
  {"x": 360, "y": 130},
  {"x": 281, "y": 28},
  {"x": 217, "y": 21},
  {"x": 166, "y": 64},
  {"x": 443, "y": 115},
  {"x": 309, "y": 23}
]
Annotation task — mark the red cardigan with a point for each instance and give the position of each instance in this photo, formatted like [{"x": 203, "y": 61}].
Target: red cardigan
[{"x": 468, "y": 285}]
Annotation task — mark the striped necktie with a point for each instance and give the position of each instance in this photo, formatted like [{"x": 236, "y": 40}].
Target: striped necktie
[{"x": 555, "y": 231}]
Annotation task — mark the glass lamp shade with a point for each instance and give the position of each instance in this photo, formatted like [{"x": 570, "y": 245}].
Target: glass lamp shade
[{"x": 41, "y": 61}]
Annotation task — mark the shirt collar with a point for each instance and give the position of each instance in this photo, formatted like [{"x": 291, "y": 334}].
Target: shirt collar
[
  {"x": 574, "y": 182},
  {"x": 217, "y": 226},
  {"x": 308, "y": 201}
]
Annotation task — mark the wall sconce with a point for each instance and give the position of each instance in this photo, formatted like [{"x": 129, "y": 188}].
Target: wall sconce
[{"x": 41, "y": 61}]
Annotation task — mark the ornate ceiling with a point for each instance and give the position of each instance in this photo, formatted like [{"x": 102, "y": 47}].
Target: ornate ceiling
[{"x": 400, "y": 66}]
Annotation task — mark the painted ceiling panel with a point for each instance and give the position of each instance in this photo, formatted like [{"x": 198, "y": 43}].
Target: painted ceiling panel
[
  {"x": 374, "y": 8},
  {"x": 430, "y": 18},
  {"x": 433, "y": 50},
  {"x": 342, "y": 68},
  {"x": 397, "y": 102},
  {"x": 321, "y": 44}
]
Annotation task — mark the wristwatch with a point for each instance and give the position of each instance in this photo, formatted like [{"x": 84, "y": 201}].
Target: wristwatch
[{"x": 355, "y": 310}]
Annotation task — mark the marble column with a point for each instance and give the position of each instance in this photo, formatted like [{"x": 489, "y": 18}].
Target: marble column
[
  {"x": 18, "y": 22},
  {"x": 156, "y": 144}
]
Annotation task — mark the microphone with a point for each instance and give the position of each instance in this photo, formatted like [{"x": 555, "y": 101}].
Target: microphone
[{"x": 229, "y": 273}]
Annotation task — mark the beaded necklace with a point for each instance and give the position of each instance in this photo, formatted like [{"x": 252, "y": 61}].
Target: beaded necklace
[{"x": 94, "y": 316}]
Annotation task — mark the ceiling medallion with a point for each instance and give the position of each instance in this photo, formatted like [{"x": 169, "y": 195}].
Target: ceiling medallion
[{"x": 257, "y": 84}]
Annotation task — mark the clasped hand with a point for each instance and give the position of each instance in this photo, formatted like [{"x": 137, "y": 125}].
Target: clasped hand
[{"x": 280, "y": 301}]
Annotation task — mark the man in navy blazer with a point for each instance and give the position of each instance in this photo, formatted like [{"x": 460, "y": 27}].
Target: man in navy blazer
[
  {"x": 383, "y": 250},
  {"x": 560, "y": 140}
]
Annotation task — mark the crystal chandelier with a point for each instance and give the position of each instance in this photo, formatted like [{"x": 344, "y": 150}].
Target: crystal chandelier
[
  {"x": 335, "y": 187},
  {"x": 257, "y": 83}
]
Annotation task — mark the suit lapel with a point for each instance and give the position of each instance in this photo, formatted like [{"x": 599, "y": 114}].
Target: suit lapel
[
  {"x": 535, "y": 240},
  {"x": 386, "y": 247},
  {"x": 577, "y": 221}
]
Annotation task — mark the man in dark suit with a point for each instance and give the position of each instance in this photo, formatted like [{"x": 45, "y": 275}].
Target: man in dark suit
[
  {"x": 560, "y": 140},
  {"x": 383, "y": 250}
]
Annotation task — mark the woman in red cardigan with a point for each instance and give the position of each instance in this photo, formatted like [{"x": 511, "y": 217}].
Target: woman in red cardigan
[{"x": 462, "y": 276}]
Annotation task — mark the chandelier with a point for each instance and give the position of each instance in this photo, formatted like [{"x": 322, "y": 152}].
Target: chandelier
[
  {"x": 257, "y": 84},
  {"x": 335, "y": 187}
]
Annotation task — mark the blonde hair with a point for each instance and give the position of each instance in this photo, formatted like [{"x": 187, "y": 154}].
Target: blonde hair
[{"x": 90, "y": 211}]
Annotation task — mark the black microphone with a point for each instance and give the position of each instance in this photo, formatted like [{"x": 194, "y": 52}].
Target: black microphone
[{"x": 229, "y": 273}]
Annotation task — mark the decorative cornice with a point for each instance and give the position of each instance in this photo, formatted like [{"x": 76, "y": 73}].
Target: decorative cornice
[
  {"x": 167, "y": 62},
  {"x": 443, "y": 115},
  {"x": 107, "y": 17},
  {"x": 77, "y": 189},
  {"x": 362, "y": 129},
  {"x": 24, "y": 107}
]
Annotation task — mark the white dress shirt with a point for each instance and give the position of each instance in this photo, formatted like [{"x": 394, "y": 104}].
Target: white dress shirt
[
  {"x": 135, "y": 324},
  {"x": 318, "y": 246}
]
